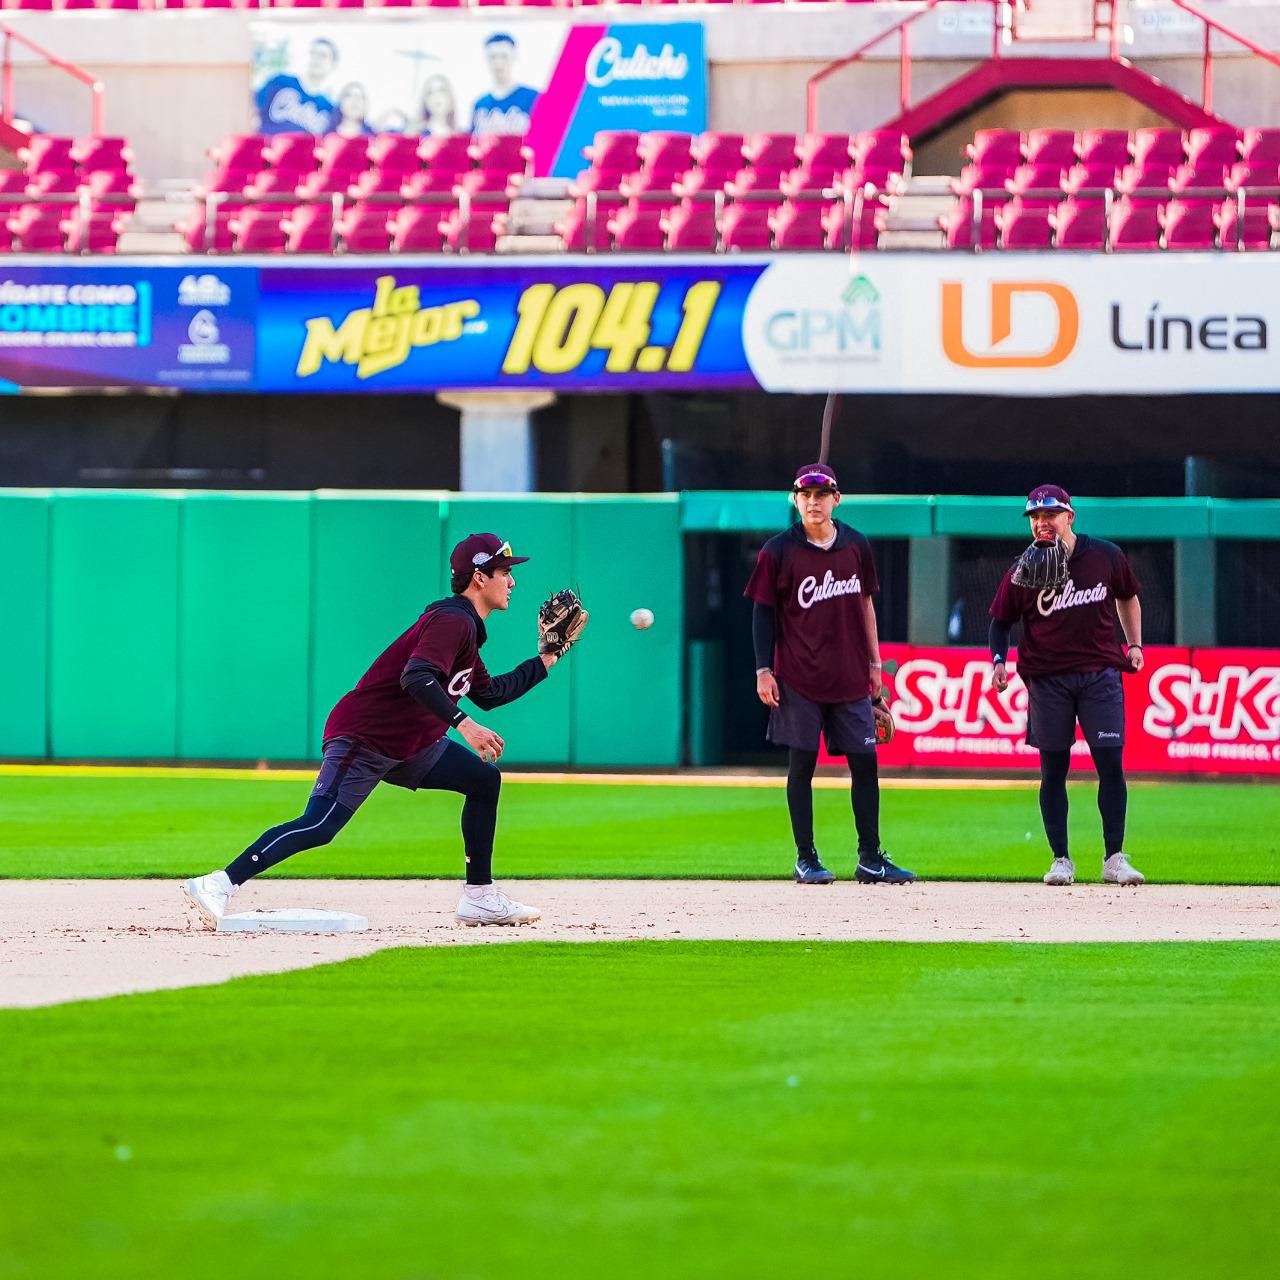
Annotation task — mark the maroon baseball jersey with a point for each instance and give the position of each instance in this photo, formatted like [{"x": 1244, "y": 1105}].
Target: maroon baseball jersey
[
  {"x": 1072, "y": 628},
  {"x": 820, "y": 648},
  {"x": 380, "y": 713}
]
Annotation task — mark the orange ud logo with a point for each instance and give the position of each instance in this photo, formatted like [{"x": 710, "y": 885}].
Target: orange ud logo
[{"x": 1002, "y": 295}]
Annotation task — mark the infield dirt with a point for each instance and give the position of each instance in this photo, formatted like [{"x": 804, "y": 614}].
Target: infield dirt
[{"x": 82, "y": 939}]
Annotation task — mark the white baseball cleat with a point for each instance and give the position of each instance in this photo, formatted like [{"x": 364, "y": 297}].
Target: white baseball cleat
[
  {"x": 210, "y": 895},
  {"x": 1118, "y": 870},
  {"x": 1062, "y": 872},
  {"x": 487, "y": 904}
]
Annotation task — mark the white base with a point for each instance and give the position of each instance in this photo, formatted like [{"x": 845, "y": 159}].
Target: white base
[{"x": 293, "y": 920}]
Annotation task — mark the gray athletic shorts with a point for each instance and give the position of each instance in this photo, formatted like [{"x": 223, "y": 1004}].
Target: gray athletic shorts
[
  {"x": 849, "y": 727},
  {"x": 350, "y": 770},
  {"x": 1055, "y": 703}
]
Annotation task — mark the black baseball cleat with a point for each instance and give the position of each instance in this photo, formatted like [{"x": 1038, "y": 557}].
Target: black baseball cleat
[
  {"x": 809, "y": 869},
  {"x": 876, "y": 868}
]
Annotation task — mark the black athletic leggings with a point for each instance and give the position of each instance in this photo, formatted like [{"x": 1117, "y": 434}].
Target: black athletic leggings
[
  {"x": 457, "y": 770},
  {"x": 1113, "y": 797},
  {"x": 864, "y": 793}
]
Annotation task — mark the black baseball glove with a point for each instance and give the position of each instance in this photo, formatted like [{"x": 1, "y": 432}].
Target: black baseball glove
[
  {"x": 561, "y": 619},
  {"x": 1042, "y": 566}
]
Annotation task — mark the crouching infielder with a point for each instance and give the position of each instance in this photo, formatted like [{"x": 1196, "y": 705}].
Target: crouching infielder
[
  {"x": 1066, "y": 589},
  {"x": 391, "y": 728}
]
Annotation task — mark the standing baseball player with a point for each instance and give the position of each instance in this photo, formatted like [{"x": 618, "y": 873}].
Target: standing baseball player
[
  {"x": 818, "y": 666},
  {"x": 391, "y": 728},
  {"x": 1066, "y": 590}
]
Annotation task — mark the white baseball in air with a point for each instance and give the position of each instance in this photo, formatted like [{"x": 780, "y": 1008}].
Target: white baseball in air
[{"x": 642, "y": 619}]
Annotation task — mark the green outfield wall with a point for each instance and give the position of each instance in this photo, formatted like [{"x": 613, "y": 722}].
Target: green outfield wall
[{"x": 223, "y": 626}]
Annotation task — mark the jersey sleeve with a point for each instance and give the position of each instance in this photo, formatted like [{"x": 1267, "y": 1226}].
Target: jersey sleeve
[
  {"x": 1124, "y": 582},
  {"x": 762, "y": 586},
  {"x": 870, "y": 579},
  {"x": 1007, "y": 606},
  {"x": 441, "y": 640}
]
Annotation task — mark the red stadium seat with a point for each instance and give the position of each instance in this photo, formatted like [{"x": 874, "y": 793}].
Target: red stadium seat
[
  {"x": 94, "y": 155},
  {"x": 394, "y": 153},
  {"x": 984, "y": 177},
  {"x": 499, "y": 152},
  {"x": 47, "y": 154},
  {"x": 1051, "y": 147},
  {"x": 1025, "y": 225},
  {"x": 669, "y": 154},
  {"x": 337, "y": 154},
  {"x": 37, "y": 228},
  {"x": 718, "y": 153},
  {"x": 1093, "y": 177},
  {"x": 771, "y": 152},
  {"x": 428, "y": 182},
  {"x": 1080, "y": 223},
  {"x": 366, "y": 229},
  {"x": 799, "y": 224},
  {"x": 745, "y": 227},
  {"x": 637, "y": 227},
  {"x": 446, "y": 155},
  {"x": 1213, "y": 147},
  {"x": 1261, "y": 147},
  {"x": 1042, "y": 178},
  {"x": 1203, "y": 177},
  {"x": 259, "y": 230},
  {"x": 309, "y": 229},
  {"x": 1147, "y": 182},
  {"x": 1190, "y": 224},
  {"x": 691, "y": 227},
  {"x": 416, "y": 229},
  {"x": 996, "y": 148},
  {"x": 1104, "y": 147},
  {"x": 616, "y": 150},
  {"x": 1135, "y": 225},
  {"x": 1158, "y": 147},
  {"x": 1252, "y": 175},
  {"x": 293, "y": 153}
]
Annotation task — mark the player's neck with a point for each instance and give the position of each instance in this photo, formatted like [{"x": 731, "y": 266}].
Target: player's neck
[
  {"x": 823, "y": 532},
  {"x": 482, "y": 607},
  {"x": 1069, "y": 541}
]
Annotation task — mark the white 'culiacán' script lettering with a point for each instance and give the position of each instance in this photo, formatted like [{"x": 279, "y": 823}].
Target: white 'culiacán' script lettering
[
  {"x": 460, "y": 685},
  {"x": 1068, "y": 597},
  {"x": 811, "y": 590}
]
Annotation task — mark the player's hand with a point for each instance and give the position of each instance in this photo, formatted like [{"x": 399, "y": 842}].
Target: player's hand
[
  {"x": 484, "y": 742},
  {"x": 1135, "y": 657},
  {"x": 999, "y": 677},
  {"x": 767, "y": 689}
]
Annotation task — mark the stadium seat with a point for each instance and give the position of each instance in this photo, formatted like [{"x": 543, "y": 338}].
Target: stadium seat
[
  {"x": 574, "y": 232},
  {"x": 337, "y": 154},
  {"x": 500, "y": 153},
  {"x": 394, "y": 153},
  {"x": 428, "y": 182},
  {"x": 446, "y": 155},
  {"x": 616, "y": 151},
  {"x": 1214, "y": 147},
  {"x": 1255, "y": 231},
  {"x": 293, "y": 153},
  {"x": 958, "y": 222},
  {"x": 1093, "y": 176},
  {"x": 1190, "y": 224},
  {"x": 111, "y": 191},
  {"x": 473, "y": 230},
  {"x": 203, "y": 236},
  {"x": 1080, "y": 223},
  {"x": 669, "y": 154},
  {"x": 1158, "y": 147},
  {"x": 365, "y": 229},
  {"x": 637, "y": 227},
  {"x": 1146, "y": 181},
  {"x": 1025, "y": 225},
  {"x": 995, "y": 148},
  {"x": 984, "y": 176},
  {"x": 770, "y": 153},
  {"x": 258, "y": 230},
  {"x": 745, "y": 227},
  {"x": 309, "y": 229},
  {"x": 1104, "y": 147},
  {"x": 1051, "y": 147},
  {"x": 856, "y": 223},
  {"x": 799, "y": 224},
  {"x": 416, "y": 229},
  {"x": 13, "y": 183},
  {"x": 38, "y": 228},
  {"x": 1046, "y": 180},
  {"x": 718, "y": 153},
  {"x": 95, "y": 155},
  {"x": 1204, "y": 177},
  {"x": 1261, "y": 147},
  {"x": 1135, "y": 225},
  {"x": 691, "y": 227}
]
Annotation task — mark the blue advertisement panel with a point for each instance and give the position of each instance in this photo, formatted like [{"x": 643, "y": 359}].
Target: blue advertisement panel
[
  {"x": 86, "y": 325},
  {"x": 648, "y": 323}
]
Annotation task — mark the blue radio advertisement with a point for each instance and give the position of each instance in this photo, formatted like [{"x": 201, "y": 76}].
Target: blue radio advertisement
[{"x": 113, "y": 326}]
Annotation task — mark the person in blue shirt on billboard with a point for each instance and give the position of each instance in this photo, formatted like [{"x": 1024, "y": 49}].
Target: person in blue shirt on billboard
[
  {"x": 508, "y": 106},
  {"x": 301, "y": 104}
]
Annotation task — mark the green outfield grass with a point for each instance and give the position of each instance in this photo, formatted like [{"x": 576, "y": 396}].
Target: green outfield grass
[
  {"x": 658, "y": 1109},
  {"x": 176, "y": 826}
]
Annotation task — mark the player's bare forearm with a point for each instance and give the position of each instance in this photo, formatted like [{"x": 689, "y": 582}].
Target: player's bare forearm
[
  {"x": 1130, "y": 612},
  {"x": 549, "y": 660},
  {"x": 873, "y": 646}
]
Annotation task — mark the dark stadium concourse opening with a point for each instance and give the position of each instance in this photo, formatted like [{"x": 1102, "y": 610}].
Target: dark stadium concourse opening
[{"x": 724, "y": 709}]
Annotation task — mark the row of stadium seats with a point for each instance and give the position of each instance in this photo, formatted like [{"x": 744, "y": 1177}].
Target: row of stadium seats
[{"x": 47, "y": 6}]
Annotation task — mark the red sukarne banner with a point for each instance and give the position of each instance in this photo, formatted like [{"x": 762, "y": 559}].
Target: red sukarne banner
[{"x": 1188, "y": 711}]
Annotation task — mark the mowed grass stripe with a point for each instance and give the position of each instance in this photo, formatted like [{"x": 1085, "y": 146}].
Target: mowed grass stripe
[
  {"x": 672, "y": 1109},
  {"x": 176, "y": 826}
]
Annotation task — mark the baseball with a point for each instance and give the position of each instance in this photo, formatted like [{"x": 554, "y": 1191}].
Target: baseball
[{"x": 642, "y": 619}]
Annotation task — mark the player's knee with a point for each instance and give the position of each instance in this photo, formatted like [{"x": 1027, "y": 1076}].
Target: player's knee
[
  {"x": 863, "y": 765},
  {"x": 487, "y": 784}
]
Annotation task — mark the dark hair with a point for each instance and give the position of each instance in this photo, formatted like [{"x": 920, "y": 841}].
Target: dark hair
[
  {"x": 459, "y": 582},
  {"x": 500, "y": 37}
]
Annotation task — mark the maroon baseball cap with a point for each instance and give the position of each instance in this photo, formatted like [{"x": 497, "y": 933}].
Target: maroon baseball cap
[
  {"x": 815, "y": 475},
  {"x": 483, "y": 551},
  {"x": 1048, "y": 497}
]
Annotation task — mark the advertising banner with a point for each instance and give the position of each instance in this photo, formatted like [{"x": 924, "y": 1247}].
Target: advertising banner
[
  {"x": 625, "y": 324},
  {"x": 1204, "y": 711},
  {"x": 127, "y": 326},
  {"x": 554, "y": 81}
]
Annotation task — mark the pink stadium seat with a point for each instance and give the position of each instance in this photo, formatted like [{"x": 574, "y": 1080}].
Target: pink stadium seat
[
  {"x": 1190, "y": 224},
  {"x": 240, "y": 153},
  {"x": 500, "y": 152},
  {"x": 771, "y": 152},
  {"x": 1213, "y": 147},
  {"x": 882, "y": 149},
  {"x": 1080, "y": 223},
  {"x": 984, "y": 177},
  {"x": 765, "y": 186},
  {"x": 202, "y": 237},
  {"x": 97, "y": 233},
  {"x": 617, "y": 150},
  {"x": 829, "y": 152},
  {"x": 1135, "y": 225},
  {"x": 718, "y": 153},
  {"x": 1148, "y": 181},
  {"x": 37, "y": 228},
  {"x": 293, "y": 153},
  {"x": 56, "y": 189},
  {"x": 959, "y": 228},
  {"x": 376, "y": 182},
  {"x": 327, "y": 182},
  {"x": 1255, "y": 231},
  {"x": 656, "y": 186},
  {"x": 691, "y": 227},
  {"x": 489, "y": 184},
  {"x": 696, "y": 179},
  {"x": 1024, "y": 225},
  {"x": 799, "y": 224},
  {"x": 446, "y": 155},
  {"x": 996, "y": 148},
  {"x": 745, "y": 227},
  {"x": 1252, "y": 175},
  {"x": 337, "y": 154},
  {"x": 1261, "y": 146},
  {"x": 394, "y": 152},
  {"x": 666, "y": 153},
  {"x": 637, "y": 227},
  {"x": 366, "y": 229},
  {"x": 416, "y": 229},
  {"x": 47, "y": 154},
  {"x": 259, "y": 230},
  {"x": 1158, "y": 147},
  {"x": 111, "y": 191},
  {"x": 1104, "y": 147},
  {"x": 474, "y": 232},
  {"x": 95, "y": 155},
  {"x": 428, "y": 182},
  {"x": 42, "y": 6},
  {"x": 604, "y": 180},
  {"x": 273, "y": 182},
  {"x": 1051, "y": 147},
  {"x": 1204, "y": 177},
  {"x": 855, "y": 224},
  {"x": 309, "y": 229},
  {"x": 1041, "y": 178},
  {"x": 1094, "y": 177},
  {"x": 13, "y": 182},
  {"x": 572, "y": 228}
]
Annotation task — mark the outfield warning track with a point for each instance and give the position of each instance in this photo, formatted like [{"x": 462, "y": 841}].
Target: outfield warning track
[{"x": 64, "y": 940}]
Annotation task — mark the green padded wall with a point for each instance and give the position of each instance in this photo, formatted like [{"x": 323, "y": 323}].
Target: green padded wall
[
  {"x": 376, "y": 561},
  {"x": 244, "y": 626},
  {"x": 535, "y": 728},
  {"x": 24, "y": 632},
  {"x": 113, "y": 653},
  {"x": 627, "y": 686}
]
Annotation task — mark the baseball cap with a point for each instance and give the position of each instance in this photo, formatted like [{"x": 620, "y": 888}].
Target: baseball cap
[
  {"x": 815, "y": 475},
  {"x": 1048, "y": 497},
  {"x": 483, "y": 551}
]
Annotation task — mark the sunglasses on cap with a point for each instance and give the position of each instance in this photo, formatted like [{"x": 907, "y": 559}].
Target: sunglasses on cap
[
  {"x": 814, "y": 480},
  {"x": 482, "y": 558}
]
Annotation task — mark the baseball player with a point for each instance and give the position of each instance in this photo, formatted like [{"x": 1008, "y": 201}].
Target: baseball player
[
  {"x": 818, "y": 666},
  {"x": 1066, "y": 590},
  {"x": 391, "y": 728}
]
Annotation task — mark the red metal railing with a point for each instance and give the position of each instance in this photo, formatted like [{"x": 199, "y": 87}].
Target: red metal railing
[
  {"x": 9, "y": 37},
  {"x": 1206, "y": 70}
]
